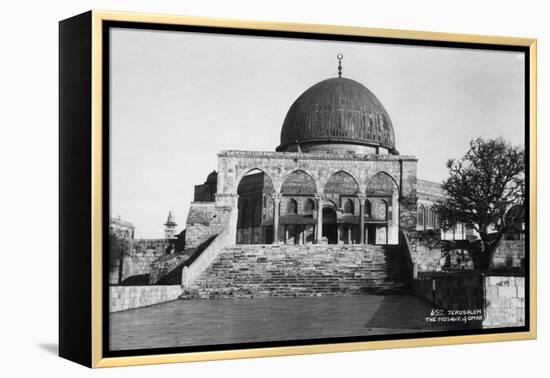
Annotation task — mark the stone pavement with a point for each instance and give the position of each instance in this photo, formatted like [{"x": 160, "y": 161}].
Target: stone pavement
[{"x": 241, "y": 320}]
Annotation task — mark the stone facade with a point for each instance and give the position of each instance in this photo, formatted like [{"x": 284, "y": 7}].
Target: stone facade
[
  {"x": 505, "y": 301},
  {"x": 204, "y": 221},
  {"x": 127, "y": 297},
  {"x": 510, "y": 254},
  {"x": 337, "y": 181},
  {"x": 429, "y": 191},
  {"x": 200, "y": 261},
  {"x": 139, "y": 260},
  {"x": 429, "y": 254},
  {"x": 233, "y": 165}
]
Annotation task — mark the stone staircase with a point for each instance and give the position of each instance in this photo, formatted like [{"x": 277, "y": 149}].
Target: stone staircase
[{"x": 303, "y": 270}]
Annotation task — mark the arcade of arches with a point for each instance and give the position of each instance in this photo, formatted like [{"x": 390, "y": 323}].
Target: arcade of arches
[{"x": 301, "y": 214}]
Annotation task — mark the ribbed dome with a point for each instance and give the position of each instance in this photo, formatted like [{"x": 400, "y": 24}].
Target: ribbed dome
[{"x": 337, "y": 111}]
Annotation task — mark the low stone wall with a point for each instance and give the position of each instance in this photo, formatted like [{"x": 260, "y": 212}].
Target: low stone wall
[
  {"x": 144, "y": 252},
  {"x": 509, "y": 254},
  {"x": 501, "y": 298},
  {"x": 127, "y": 297},
  {"x": 138, "y": 261},
  {"x": 505, "y": 302},
  {"x": 428, "y": 255}
]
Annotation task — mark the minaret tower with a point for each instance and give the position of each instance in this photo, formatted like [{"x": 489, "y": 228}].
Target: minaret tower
[{"x": 170, "y": 227}]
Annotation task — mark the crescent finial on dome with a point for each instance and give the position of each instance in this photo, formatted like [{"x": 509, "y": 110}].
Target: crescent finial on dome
[{"x": 340, "y": 57}]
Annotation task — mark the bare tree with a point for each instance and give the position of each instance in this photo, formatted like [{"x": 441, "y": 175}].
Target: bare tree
[{"x": 483, "y": 185}]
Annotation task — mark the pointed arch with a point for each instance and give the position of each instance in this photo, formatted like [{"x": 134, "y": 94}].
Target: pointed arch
[
  {"x": 330, "y": 203},
  {"x": 251, "y": 176},
  {"x": 420, "y": 217},
  {"x": 368, "y": 208},
  {"x": 291, "y": 206},
  {"x": 381, "y": 183},
  {"x": 431, "y": 218},
  {"x": 349, "y": 206},
  {"x": 298, "y": 182},
  {"x": 254, "y": 190},
  {"x": 309, "y": 206},
  {"x": 382, "y": 209},
  {"x": 341, "y": 182}
]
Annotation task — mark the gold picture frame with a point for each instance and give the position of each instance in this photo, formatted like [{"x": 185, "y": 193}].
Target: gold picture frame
[{"x": 89, "y": 27}]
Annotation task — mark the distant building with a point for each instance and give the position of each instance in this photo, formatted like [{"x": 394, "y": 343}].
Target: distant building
[
  {"x": 140, "y": 255},
  {"x": 121, "y": 228},
  {"x": 170, "y": 227},
  {"x": 429, "y": 194},
  {"x": 170, "y": 233}
]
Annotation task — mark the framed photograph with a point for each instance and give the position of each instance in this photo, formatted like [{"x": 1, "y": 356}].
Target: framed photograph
[{"x": 234, "y": 189}]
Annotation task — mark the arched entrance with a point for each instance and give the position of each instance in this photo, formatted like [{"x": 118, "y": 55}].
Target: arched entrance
[
  {"x": 341, "y": 189},
  {"x": 330, "y": 228},
  {"x": 255, "y": 200}
]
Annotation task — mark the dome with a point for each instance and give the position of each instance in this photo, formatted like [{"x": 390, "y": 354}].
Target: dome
[{"x": 339, "y": 115}]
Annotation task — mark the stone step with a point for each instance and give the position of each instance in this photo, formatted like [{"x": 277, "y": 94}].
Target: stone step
[{"x": 303, "y": 270}]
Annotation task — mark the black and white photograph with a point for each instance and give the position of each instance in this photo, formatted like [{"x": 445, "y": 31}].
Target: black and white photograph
[
  {"x": 277, "y": 189},
  {"x": 210, "y": 188}
]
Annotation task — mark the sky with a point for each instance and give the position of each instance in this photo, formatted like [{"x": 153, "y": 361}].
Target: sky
[{"x": 178, "y": 98}]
